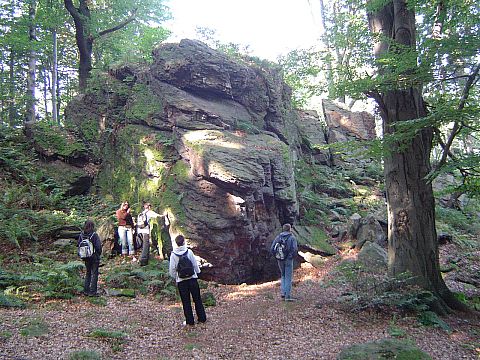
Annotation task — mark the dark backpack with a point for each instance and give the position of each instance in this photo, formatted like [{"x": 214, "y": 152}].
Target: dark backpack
[
  {"x": 85, "y": 246},
  {"x": 185, "y": 267},
  {"x": 142, "y": 221},
  {"x": 280, "y": 250}
]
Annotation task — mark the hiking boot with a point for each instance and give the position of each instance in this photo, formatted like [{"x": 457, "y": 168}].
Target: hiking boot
[
  {"x": 93, "y": 294},
  {"x": 290, "y": 299}
]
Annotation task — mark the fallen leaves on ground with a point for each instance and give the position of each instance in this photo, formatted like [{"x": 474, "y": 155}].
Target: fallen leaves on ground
[{"x": 249, "y": 322}]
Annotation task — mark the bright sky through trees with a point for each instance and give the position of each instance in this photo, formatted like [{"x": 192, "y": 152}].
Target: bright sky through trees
[{"x": 269, "y": 27}]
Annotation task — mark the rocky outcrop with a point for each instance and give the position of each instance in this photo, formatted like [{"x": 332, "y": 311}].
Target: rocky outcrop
[{"x": 208, "y": 140}]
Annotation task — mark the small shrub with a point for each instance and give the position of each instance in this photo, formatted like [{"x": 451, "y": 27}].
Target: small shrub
[
  {"x": 429, "y": 318},
  {"x": 85, "y": 355},
  {"x": 11, "y": 301},
  {"x": 209, "y": 299},
  {"x": 62, "y": 281}
]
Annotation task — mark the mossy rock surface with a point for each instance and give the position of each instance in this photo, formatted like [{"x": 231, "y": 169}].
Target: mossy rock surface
[
  {"x": 315, "y": 239},
  {"x": 383, "y": 349}
]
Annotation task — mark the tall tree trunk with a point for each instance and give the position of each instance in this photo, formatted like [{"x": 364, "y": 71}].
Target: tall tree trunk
[
  {"x": 32, "y": 62},
  {"x": 412, "y": 237},
  {"x": 11, "y": 106},
  {"x": 3, "y": 89},
  {"x": 54, "y": 77},
  {"x": 46, "y": 88}
]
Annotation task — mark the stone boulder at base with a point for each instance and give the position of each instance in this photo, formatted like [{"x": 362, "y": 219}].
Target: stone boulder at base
[{"x": 373, "y": 256}]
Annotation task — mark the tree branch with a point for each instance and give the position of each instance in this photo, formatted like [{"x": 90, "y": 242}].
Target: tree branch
[
  {"x": 119, "y": 26},
  {"x": 458, "y": 126}
]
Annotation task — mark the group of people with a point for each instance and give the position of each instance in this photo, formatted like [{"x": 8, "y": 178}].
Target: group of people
[
  {"x": 188, "y": 287},
  {"x": 127, "y": 227}
]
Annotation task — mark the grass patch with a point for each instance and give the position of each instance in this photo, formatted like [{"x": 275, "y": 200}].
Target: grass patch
[
  {"x": 107, "y": 334},
  {"x": 99, "y": 301},
  {"x": 35, "y": 328},
  {"x": 191, "y": 347},
  {"x": 116, "y": 339},
  {"x": 85, "y": 355},
  {"x": 5, "y": 334}
]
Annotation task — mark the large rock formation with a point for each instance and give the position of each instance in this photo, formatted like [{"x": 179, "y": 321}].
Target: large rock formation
[{"x": 208, "y": 140}]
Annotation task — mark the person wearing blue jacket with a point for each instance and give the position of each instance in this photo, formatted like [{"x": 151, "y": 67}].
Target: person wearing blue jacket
[
  {"x": 286, "y": 264},
  {"x": 92, "y": 263},
  {"x": 187, "y": 286}
]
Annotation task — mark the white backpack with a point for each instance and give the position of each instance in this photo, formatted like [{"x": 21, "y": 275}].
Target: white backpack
[{"x": 85, "y": 247}]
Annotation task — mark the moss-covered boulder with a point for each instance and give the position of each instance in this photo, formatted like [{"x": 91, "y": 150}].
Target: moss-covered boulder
[{"x": 314, "y": 239}]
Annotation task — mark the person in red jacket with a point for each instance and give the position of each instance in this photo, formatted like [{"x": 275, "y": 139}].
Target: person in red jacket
[{"x": 125, "y": 229}]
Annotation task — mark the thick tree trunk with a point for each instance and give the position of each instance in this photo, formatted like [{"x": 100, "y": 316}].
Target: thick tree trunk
[
  {"x": 83, "y": 39},
  {"x": 412, "y": 237}
]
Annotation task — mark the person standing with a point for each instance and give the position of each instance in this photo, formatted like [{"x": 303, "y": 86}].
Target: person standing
[
  {"x": 125, "y": 229},
  {"x": 91, "y": 263},
  {"x": 285, "y": 248},
  {"x": 181, "y": 259},
  {"x": 144, "y": 230}
]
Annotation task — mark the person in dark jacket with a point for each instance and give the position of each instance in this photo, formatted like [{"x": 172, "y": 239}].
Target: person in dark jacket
[
  {"x": 286, "y": 265},
  {"x": 92, "y": 263},
  {"x": 187, "y": 286}
]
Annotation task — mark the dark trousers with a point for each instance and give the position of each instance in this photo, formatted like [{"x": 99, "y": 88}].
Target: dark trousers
[
  {"x": 187, "y": 288},
  {"x": 145, "y": 249},
  {"x": 91, "y": 278}
]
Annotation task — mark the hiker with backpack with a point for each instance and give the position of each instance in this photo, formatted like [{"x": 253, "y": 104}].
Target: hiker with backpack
[
  {"x": 184, "y": 269},
  {"x": 125, "y": 229},
  {"x": 284, "y": 248},
  {"x": 144, "y": 230},
  {"x": 89, "y": 250}
]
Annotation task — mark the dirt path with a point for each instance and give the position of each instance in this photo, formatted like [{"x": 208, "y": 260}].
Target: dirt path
[{"x": 249, "y": 322}]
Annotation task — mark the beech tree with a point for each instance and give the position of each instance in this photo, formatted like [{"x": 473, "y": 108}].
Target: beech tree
[
  {"x": 416, "y": 81},
  {"x": 95, "y": 20}
]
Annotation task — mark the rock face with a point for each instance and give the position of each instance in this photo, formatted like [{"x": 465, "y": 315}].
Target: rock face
[{"x": 210, "y": 141}]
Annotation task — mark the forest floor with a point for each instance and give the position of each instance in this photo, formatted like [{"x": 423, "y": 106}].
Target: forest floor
[{"x": 248, "y": 322}]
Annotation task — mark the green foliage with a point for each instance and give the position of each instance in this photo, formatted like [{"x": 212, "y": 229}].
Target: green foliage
[
  {"x": 115, "y": 338},
  {"x": 301, "y": 70},
  {"x": 429, "y": 318},
  {"x": 143, "y": 105},
  {"x": 374, "y": 290},
  {"x": 56, "y": 140},
  {"x": 46, "y": 277},
  {"x": 458, "y": 224},
  {"x": 107, "y": 334},
  {"x": 209, "y": 299},
  {"x": 99, "y": 301},
  {"x": 7, "y": 301},
  {"x": 84, "y": 355},
  {"x": 62, "y": 281},
  {"x": 34, "y": 328},
  {"x": 151, "y": 279}
]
